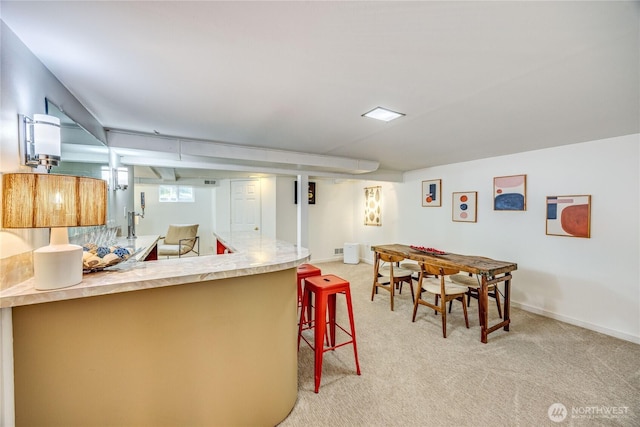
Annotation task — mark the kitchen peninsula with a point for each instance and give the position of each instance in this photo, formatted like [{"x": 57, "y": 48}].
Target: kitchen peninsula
[{"x": 208, "y": 340}]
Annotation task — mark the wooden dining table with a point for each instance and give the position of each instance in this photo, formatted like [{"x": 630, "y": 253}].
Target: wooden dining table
[{"x": 489, "y": 270}]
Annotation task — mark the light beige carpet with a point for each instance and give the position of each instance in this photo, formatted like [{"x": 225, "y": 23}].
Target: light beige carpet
[{"x": 412, "y": 376}]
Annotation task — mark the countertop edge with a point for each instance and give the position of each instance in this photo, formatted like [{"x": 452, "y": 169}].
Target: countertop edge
[{"x": 255, "y": 255}]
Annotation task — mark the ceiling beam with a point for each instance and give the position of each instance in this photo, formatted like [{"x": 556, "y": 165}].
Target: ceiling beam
[
  {"x": 165, "y": 174},
  {"x": 379, "y": 175},
  {"x": 131, "y": 145}
]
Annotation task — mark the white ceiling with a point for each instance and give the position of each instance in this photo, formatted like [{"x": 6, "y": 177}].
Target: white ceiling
[{"x": 475, "y": 79}]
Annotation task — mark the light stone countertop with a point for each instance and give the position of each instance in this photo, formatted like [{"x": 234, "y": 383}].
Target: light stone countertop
[
  {"x": 252, "y": 254},
  {"x": 141, "y": 244}
]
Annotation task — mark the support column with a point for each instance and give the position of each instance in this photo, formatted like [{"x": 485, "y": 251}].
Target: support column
[{"x": 303, "y": 211}]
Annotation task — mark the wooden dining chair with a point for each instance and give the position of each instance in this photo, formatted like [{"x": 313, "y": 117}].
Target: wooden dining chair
[
  {"x": 387, "y": 275},
  {"x": 473, "y": 285},
  {"x": 443, "y": 290},
  {"x": 414, "y": 267}
]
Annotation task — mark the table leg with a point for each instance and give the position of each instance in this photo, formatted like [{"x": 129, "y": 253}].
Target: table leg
[
  {"x": 483, "y": 305},
  {"x": 507, "y": 303},
  {"x": 484, "y": 297}
]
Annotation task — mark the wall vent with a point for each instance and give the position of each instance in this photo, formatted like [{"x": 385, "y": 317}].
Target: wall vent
[
  {"x": 210, "y": 182},
  {"x": 338, "y": 251}
]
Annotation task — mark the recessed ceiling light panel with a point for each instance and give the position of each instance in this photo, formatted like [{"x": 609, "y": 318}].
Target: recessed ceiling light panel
[{"x": 383, "y": 114}]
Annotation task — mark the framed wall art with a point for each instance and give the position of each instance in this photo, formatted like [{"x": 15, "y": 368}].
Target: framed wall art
[
  {"x": 465, "y": 206},
  {"x": 510, "y": 193},
  {"x": 569, "y": 216},
  {"x": 373, "y": 206},
  {"x": 311, "y": 193},
  {"x": 432, "y": 193}
]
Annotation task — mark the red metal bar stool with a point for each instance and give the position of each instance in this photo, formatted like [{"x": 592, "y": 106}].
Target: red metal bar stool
[
  {"x": 325, "y": 289},
  {"x": 304, "y": 271}
]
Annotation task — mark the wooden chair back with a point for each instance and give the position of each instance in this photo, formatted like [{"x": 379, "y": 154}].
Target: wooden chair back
[
  {"x": 437, "y": 271},
  {"x": 391, "y": 258}
]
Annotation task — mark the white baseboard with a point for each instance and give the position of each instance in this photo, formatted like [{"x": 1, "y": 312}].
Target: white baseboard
[
  {"x": 332, "y": 259},
  {"x": 611, "y": 332},
  {"x": 338, "y": 258}
]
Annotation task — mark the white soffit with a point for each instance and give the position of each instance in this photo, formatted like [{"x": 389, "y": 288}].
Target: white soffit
[{"x": 142, "y": 149}]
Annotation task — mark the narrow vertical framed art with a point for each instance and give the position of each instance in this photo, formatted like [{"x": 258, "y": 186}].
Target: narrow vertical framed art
[
  {"x": 465, "y": 206},
  {"x": 432, "y": 193},
  {"x": 510, "y": 193},
  {"x": 311, "y": 194},
  {"x": 372, "y": 208},
  {"x": 569, "y": 216}
]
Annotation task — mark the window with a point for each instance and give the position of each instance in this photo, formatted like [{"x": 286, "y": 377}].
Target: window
[{"x": 176, "y": 193}]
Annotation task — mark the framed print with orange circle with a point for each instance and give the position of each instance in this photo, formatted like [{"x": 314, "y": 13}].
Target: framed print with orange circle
[
  {"x": 465, "y": 206},
  {"x": 432, "y": 193}
]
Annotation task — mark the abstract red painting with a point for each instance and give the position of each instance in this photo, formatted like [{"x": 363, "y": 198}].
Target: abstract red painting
[{"x": 569, "y": 216}]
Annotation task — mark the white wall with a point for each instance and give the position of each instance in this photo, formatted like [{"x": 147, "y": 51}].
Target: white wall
[
  {"x": 330, "y": 218},
  {"x": 592, "y": 282},
  {"x": 393, "y": 210},
  {"x": 268, "y": 208},
  {"x": 158, "y": 216},
  {"x": 222, "y": 217},
  {"x": 286, "y": 217},
  {"x": 24, "y": 84}
]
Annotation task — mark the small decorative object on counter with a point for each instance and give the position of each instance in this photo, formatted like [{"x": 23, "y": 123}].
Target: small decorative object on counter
[{"x": 97, "y": 258}]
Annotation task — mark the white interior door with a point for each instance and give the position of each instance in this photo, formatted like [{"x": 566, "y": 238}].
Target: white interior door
[{"x": 245, "y": 205}]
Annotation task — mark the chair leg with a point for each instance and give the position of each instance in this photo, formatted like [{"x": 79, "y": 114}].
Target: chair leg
[
  {"x": 353, "y": 329},
  {"x": 319, "y": 334},
  {"x": 299, "y": 292},
  {"x": 309, "y": 306},
  {"x": 409, "y": 280},
  {"x": 331, "y": 321},
  {"x": 392, "y": 294},
  {"x": 443, "y": 314},
  {"x": 464, "y": 309},
  {"x": 417, "y": 299},
  {"x": 302, "y": 321}
]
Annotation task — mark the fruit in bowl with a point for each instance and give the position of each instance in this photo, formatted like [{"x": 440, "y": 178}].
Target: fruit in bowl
[{"x": 428, "y": 250}]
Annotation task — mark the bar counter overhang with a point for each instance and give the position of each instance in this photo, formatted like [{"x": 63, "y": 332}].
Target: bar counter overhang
[{"x": 207, "y": 340}]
